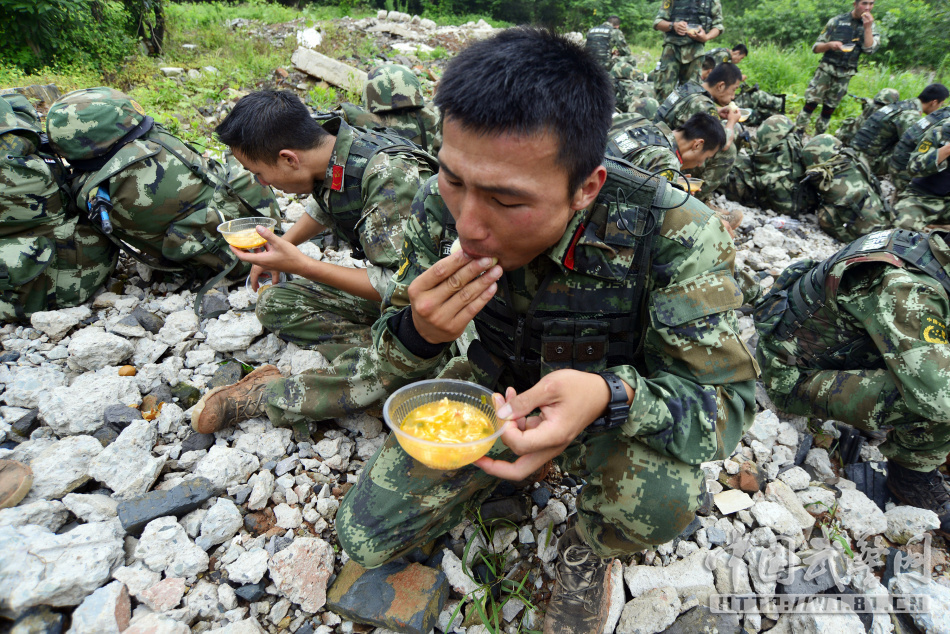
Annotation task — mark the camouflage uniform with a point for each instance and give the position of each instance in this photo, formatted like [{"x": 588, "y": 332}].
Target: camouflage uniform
[
  {"x": 50, "y": 258},
  {"x": 650, "y": 146},
  {"x": 768, "y": 173},
  {"x": 927, "y": 199},
  {"x": 868, "y": 345},
  {"x": 310, "y": 313},
  {"x": 392, "y": 99},
  {"x": 762, "y": 103},
  {"x": 829, "y": 85},
  {"x": 850, "y": 125},
  {"x": 608, "y": 45},
  {"x": 898, "y": 164},
  {"x": 683, "y": 103},
  {"x": 848, "y": 196},
  {"x": 694, "y": 389},
  {"x": 878, "y": 136},
  {"x": 720, "y": 55},
  {"x": 682, "y": 56}
]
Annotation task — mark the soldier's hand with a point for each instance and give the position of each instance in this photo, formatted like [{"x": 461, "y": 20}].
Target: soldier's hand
[
  {"x": 257, "y": 271},
  {"x": 447, "y": 297},
  {"x": 680, "y": 27},
  {"x": 867, "y": 19},
  {"x": 278, "y": 255},
  {"x": 835, "y": 46},
  {"x": 568, "y": 400},
  {"x": 699, "y": 35}
]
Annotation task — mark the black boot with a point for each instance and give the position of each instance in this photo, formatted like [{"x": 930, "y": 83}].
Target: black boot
[{"x": 923, "y": 489}]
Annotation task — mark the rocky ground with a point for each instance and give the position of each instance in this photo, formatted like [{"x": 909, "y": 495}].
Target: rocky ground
[{"x": 135, "y": 523}]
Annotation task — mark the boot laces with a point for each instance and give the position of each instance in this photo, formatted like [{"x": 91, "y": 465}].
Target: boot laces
[
  {"x": 580, "y": 567},
  {"x": 252, "y": 404}
]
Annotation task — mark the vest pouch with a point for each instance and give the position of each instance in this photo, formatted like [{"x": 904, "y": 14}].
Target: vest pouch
[
  {"x": 580, "y": 345},
  {"x": 24, "y": 287}
]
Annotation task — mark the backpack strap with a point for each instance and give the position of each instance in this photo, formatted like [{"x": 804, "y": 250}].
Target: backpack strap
[{"x": 97, "y": 163}]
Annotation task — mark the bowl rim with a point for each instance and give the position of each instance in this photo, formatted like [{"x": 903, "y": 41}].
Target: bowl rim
[
  {"x": 264, "y": 221},
  {"x": 432, "y": 443}
]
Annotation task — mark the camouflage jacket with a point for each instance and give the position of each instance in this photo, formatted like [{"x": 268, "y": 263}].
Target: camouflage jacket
[
  {"x": 386, "y": 191},
  {"x": 649, "y": 146},
  {"x": 714, "y": 21},
  {"x": 684, "y": 107},
  {"x": 405, "y": 123},
  {"x": 695, "y": 380},
  {"x": 876, "y": 315},
  {"x": 826, "y": 36},
  {"x": 929, "y": 175}
]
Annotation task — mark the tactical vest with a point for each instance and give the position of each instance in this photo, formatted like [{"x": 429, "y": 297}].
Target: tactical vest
[
  {"x": 912, "y": 137},
  {"x": 589, "y": 319},
  {"x": 632, "y": 133},
  {"x": 720, "y": 55},
  {"x": 867, "y": 137},
  {"x": 345, "y": 202},
  {"x": 598, "y": 42},
  {"x": 937, "y": 184},
  {"x": 845, "y": 29},
  {"x": 689, "y": 90},
  {"x": 407, "y": 123},
  {"x": 694, "y": 13},
  {"x": 798, "y": 300}
]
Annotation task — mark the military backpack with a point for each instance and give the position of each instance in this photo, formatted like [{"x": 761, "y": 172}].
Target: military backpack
[{"x": 870, "y": 137}]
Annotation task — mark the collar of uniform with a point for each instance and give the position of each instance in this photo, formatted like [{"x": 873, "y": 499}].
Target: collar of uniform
[
  {"x": 580, "y": 251},
  {"x": 345, "y": 134}
]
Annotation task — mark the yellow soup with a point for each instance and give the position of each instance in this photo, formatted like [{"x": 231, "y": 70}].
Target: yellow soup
[
  {"x": 448, "y": 422},
  {"x": 246, "y": 239}
]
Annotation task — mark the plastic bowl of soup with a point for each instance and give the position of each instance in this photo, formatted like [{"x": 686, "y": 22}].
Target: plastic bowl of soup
[
  {"x": 242, "y": 233},
  {"x": 442, "y": 423},
  {"x": 692, "y": 185},
  {"x": 744, "y": 113},
  {"x": 847, "y": 48}
]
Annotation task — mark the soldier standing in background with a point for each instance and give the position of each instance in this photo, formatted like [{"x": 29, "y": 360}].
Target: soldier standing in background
[
  {"x": 607, "y": 43},
  {"x": 862, "y": 338},
  {"x": 688, "y": 25},
  {"x": 844, "y": 39}
]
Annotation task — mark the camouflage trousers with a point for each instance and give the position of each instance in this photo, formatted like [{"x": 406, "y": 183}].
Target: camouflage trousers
[
  {"x": 866, "y": 399},
  {"x": 715, "y": 171},
  {"x": 634, "y": 498},
  {"x": 678, "y": 65},
  {"x": 826, "y": 88},
  {"x": 631, "y": 93},
  {"x": 916, "y": 209}
]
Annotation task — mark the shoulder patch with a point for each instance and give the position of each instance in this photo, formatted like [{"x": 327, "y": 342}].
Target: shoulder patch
[
  {"x": 934, "y": 330},
  {"x": 924, "y": 146}
]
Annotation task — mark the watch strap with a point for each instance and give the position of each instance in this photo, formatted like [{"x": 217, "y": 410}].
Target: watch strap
[{"x": 617, "y": 408}]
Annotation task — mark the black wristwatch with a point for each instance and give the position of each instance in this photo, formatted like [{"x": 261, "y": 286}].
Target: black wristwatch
[{"x": 617, "y": 408}]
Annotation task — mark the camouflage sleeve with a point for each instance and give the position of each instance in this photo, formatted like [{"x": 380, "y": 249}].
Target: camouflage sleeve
[
  {"x": 389, "y": 185},
  {"x": 923, "y": 161},
  {"x": 905, "y": 314},
  {"x": 717, "y": 22},
  {"x": 825, "y": 35},
  {"x": 876, "y": 35},
  {"x": 618, "y": 43},
  {"x": 419, "y": 252},
  {"x": 698, "y": 395},
  {"x": 658, "y": 159},
  {"x": 664, "y": 12}
]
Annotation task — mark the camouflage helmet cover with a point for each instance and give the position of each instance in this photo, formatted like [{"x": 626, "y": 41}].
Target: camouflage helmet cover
[
  {"x": 821, "y": 149},
  {"x": 391, "y": 87},
  {"x": 772, "y": 131},
  {"x": 85, "y": 123},
  {"x": 887, "y": 96},
  {"x": 18, "y": 114}
]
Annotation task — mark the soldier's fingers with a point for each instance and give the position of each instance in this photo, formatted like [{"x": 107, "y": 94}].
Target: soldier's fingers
[{"x": 517, "y": 470}]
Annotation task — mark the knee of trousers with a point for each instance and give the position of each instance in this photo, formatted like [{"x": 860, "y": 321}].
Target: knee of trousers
[
  {"x": 353, "y": 540},
  {"x": 269, "y": 305}
]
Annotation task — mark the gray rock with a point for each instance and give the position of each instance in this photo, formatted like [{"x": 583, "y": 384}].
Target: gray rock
[
  {"x": 49, "y": 514},
  {"x": 26, "y": 385},
  {"x": 26, "y": 424},
  {"x": 781, "y": 493},
  {"x": 148, "y": 351},
  {"x": 681, "y": 575},
  {"x": 127, "y": 326},
  {"x": 170, "y": 418},
  {"x": 844, "y": 622},
  {"x": 226, "y": 467},
  {"x": 702, "y": 620},
  {"x": 177, "y": 501},
  {"x": 171, "y": 71},
  {"x": 796, "y": 477},
  {"x": 94, "y": 349},
  {"x": 269, "y": 445},
  {"x": 91, "y": 507},
  {"x": 197, "y": 442},
  {"x": 106, "y": 435},
  {"x": 120, "y": 416},
  {"x": 39, "y": 620},
  {"x": 40, "y": 568},
  {"x": 165, "y": 547},
  {"x": 226, "y": 374},
  {"x": 150, "y": 321},
  {"x": 249, "y": 567},
  {"x": 652, "y": 612},
  {"x": 906, "y": 522},
  {"x": 221, "y": 523},
  {"x": 137, "y": 578},
  {"x": 262, "y": 484},
  {"x": 765, "y": 428},
  {"x": 62, "y": 467},
  {"x": 77, "y": 409},
  {"x": 127, "y": 465},
  {"x": 859, "y": 514},
  {"x": 57, "y": 323},
  {"x": 361, "y": 423},
  {"x": 105, "y": 611},
  {"x": 936, "y": 620},
  {"x": 229, "y": 333},
  {"x": 178, "y": 326},
  {"x": 301, "y": 572},
  {"x": 819, "y": 461},
  {"x": 153, "y": 623},
  {"x": 203, "y": 600}
]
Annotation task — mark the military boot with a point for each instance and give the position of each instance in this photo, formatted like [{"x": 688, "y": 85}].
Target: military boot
[
  {"x": 16, "y": 479},
  {"x": 802, "y": 121},
  {"x": 923, "y": 489},
  {"x": 230, "y": 404},
  {"x": 822, "y": 125},
  {"x": 581, "y": 595}
]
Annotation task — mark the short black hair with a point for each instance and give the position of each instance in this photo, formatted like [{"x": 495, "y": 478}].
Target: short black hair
[
  {"x": 726, "y": 72},
  {"x": 709, "y": 63},
  {"x": 263, "y": 123},
  {"x": 934, "y": 91},
  {"x": 614, "y": 19},
  {"x": 742, "y": 48},
  {"x": 704, "y": 126},
  {"x": 527, "y": 80}
]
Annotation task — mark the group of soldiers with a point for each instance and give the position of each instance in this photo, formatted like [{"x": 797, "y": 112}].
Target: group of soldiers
[{"x": 599, "y": 295}]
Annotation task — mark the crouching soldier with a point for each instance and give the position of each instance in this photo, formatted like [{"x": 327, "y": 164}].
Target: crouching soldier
[
  {"x": 862, "y": 338},
  {"x": 926, "y": 200}
]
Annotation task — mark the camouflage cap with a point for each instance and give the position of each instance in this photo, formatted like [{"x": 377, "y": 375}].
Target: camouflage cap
[
  {"x": 391, "y": 87},
  {"x": 18, "y": 114},
  {"x": 625, "y": 69},
  {"x": 85, "y": 123},
  {"x": 820, "y": 149},
  {"x": 887, "y": 96},
  {"x": 772, "y": 131},
  {"x": 646, "y": 106}
]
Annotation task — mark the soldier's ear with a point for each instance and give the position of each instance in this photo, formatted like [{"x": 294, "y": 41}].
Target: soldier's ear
[{"x": 289, "y": 158}]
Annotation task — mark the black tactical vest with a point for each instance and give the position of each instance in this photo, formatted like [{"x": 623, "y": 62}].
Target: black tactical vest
[
  {"x": 590, "y": 317},
  {"x": 598, "y": 42},
  {"x": 848, "y": 31},
  {"x": 910, "y": 140},
  {"x": 631, "y": 133},
  {"x": 685, "y": 92},
  {"x": 345, "y": 202},
  {"x": 867, "y": 138},
  {"x": 694, "y": 13},
  {"x": 799, "y": 300}
]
